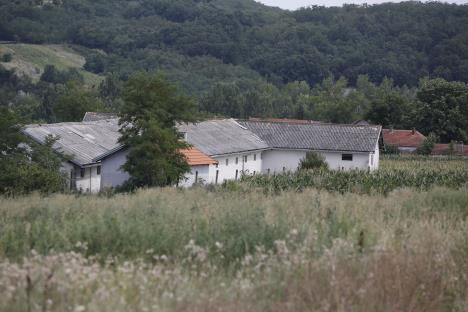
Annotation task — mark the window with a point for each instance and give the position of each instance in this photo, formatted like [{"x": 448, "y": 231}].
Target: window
[
  {"x": 237, "y": 174},
  {"x": 196, "y": 177},
  {"x": 217, "y": 176},
  {"x": 246, "y": 157},
  {"x": 227, "y": 161},
  {"x": 82, "y": 172},
  {"x": 347, "y": 157},
  {"x": 237, "y": 160},
  {"x": 255, "y": 157},
  {"x": 98, "y": 170}
]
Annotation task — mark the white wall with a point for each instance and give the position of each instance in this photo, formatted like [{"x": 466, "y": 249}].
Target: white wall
[
  {"x": 228, "y": 171},
  {"x": 277, "y": 161},
  {"x": 203, "y": 176},
  {"x": 91, "y": 182}
]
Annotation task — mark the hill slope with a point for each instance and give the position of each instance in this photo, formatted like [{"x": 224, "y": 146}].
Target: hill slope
[
  {"x": 30, "y": 60},
  {"x": 405, "y": 41}
]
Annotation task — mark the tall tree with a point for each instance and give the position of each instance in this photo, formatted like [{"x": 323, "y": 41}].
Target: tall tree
[
  {"x": 148, "y": 120},
  {"x": 443, "y": 109}
]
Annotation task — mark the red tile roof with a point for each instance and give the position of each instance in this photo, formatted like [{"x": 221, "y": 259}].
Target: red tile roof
[
  {"x": 403, "y": 138},
  {"x": 197, "y": 158}
]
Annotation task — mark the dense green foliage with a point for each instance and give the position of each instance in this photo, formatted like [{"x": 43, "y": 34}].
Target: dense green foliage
[
  {"x": 148, "y": 122},
  {"x": 24, "y": 169},
  {"x": 404, "y": 41},
  {"x": 242, "y": 59}
]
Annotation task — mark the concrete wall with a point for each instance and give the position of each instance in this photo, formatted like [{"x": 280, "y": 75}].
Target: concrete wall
[
  {"x": 112, "y": 175},
  {"x": 236, "y": 166}
]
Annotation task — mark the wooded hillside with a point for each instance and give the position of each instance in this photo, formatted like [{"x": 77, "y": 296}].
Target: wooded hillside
[{"x": 404, "y": 41}]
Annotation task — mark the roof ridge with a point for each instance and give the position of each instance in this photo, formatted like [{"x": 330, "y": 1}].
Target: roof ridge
[{"x": 310, "y": 124}]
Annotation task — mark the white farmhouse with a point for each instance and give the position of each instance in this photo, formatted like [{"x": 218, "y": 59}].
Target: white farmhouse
[
  {"x": 221, "y": 149},
  {"x": 344, "y": 147}
]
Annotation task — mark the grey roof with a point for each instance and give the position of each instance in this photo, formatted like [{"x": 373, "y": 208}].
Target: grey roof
[
  {"x": 332, "y": 137},
  {"x": 220, "y": 137},
  {"x": 84, "y": 142},
  {"x": 93, "y": 116}
]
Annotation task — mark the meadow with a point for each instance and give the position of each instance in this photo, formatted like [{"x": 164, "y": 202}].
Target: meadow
[{"x": 241, "y": 247}]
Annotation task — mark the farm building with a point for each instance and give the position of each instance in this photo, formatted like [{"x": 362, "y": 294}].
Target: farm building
[
  {"x": 406, "y": 141},
  {"x": 221, "y": 149}
]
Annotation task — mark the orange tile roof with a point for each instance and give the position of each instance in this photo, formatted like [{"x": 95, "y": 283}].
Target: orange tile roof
[
  {"x": 197, "y": 158},
  {"x": 403, "y": 138}
]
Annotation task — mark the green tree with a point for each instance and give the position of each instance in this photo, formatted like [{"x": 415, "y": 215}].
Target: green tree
[
  {"x": 24, "y": 165},
  {"x": 74, "y": 101},
  {"x": 443, "y": 109},
  {"x": 148, "y": 121},
  {"x": 428, "y": 145}
]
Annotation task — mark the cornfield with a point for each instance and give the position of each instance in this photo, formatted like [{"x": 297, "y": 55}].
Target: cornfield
[{"x": 420, "y": 173}]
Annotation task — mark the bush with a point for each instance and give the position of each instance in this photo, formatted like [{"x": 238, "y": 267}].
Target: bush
[
  {"x": 7, "y": 57},
  {"x": 313, "y": 160},
  {"x": 428, "y": 145}
]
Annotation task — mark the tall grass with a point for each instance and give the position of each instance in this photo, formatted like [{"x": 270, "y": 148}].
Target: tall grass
[
  {"x": 199, "y": 250},
  {"x": 245, "y": 250}
]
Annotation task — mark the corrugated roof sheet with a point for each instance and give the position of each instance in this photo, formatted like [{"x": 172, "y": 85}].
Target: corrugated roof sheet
[
  {"x": 403, "y": 138},
  {"x": 93, "y": 116},
  {"x": 197, "y": 158},
  {"x": 82, "y": 141},
  {"x": 316, "y": 136},
  {"x": 220, "y": 137}
]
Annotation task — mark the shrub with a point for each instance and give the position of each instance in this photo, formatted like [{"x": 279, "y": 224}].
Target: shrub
[
  {"x": 428, "y": 145},
  {"x": 313, "y": 160},
  {"x": 7, "y": 57}
]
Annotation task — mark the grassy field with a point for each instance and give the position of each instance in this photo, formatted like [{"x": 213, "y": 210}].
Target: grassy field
[
  {"x": 30, "y": 60},
  {"x": 238, "y": 250}
]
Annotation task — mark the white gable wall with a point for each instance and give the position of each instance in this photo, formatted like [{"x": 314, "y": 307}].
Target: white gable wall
[{"x": 112, "y": 174}]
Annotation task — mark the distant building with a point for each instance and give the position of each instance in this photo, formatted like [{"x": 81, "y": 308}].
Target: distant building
[
  {"x": 407, "y": 141},
  {"x": 457, "y": 149},
  {"x": 221, "y": 149}
]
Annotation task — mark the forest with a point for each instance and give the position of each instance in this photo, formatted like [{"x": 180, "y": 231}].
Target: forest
[{"x": 396, "y": 64}]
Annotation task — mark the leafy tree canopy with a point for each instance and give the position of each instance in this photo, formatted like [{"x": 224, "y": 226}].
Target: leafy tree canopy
[{"x": 152, "y": 109}]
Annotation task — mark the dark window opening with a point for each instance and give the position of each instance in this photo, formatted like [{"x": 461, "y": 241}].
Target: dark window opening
[
  {"x": 255, "y": 157},
  {"x": 347, "y": 157},
  {"x": 196, "y": 177},
  {"x": 227, "y": 161},
  {"x": 237, "y": 160},
  {"x": 217, "y": 176},
  {"x": 82, "y": 172},
  {"x": 98, "y": 170},
  {"x": 237, "y": 174},
  {"x": 246, "y": 158}
]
